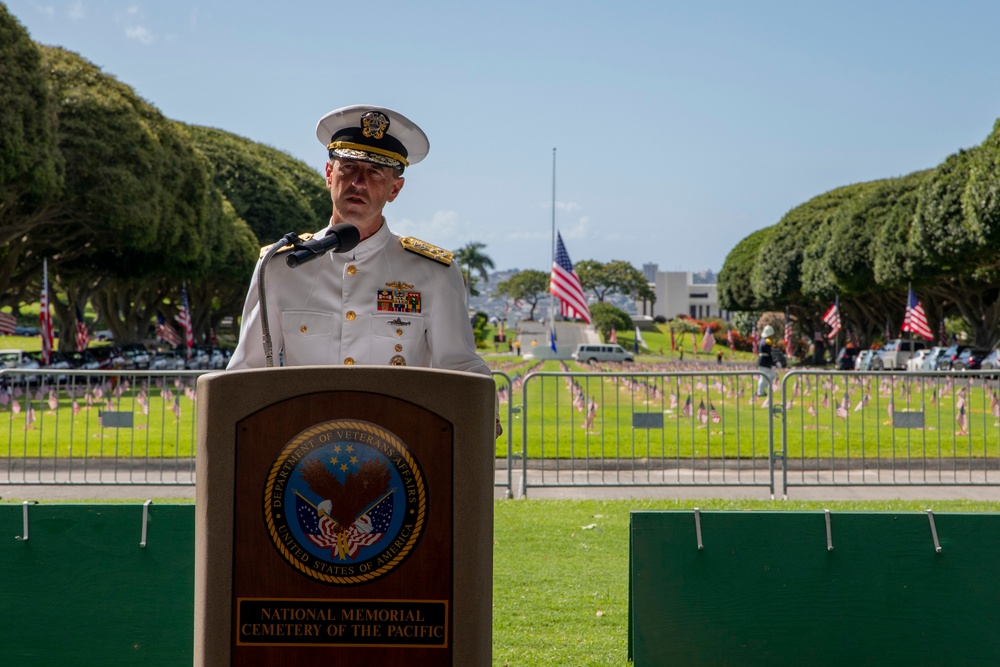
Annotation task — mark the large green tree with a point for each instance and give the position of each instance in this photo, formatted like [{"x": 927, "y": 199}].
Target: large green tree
[
  {"x": 529, "y": 286},
  {"x": 473, "y": 260},
  {"x": 141, "y": 198},
  {"x": 272, "y": 191},
  {"x": 614, "y": 277},
  {"x": 30, "y": 163}
]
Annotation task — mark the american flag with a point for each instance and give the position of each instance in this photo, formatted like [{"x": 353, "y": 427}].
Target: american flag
[
  {"x": 942, "y": 334},
  {"x": 613, "y": 338},
  {"x": 702, "y": 412},
  {"x": 184, "y": 319},
  {"x": 673, "y": 342},
  {"x": 8, "y": 324},
  {"x": 729, "y": 338},
  {"x": 962, "y": 421},
  {"x": 832, "y": 317},
  {"x": 915, "y": 319},
  {"x": 688, "y": 408},
  {"x": 714, "y": 414},
  {"x": 754, "y": 338},
  {"x": 843, "y": 406},
  {"x": 708, "y": 340},
  {"x": 789, "y": 340},
  {"x": 45, "y": 316},
  {"x": 82, "y": 334},
  {"x": 565, "y": 285},
  {"x": 167, "y": 333},
  {"x": 366, "y": 530}
]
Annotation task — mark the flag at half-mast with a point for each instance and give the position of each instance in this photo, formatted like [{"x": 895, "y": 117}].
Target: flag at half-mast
[
  {"x": 45, "y": 316},
  {"x": 915, "y": 319},
  {"x": 565, "y": 285}
]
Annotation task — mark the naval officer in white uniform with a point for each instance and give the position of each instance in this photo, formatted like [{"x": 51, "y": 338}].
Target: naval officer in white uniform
[{"x": 390, "y": 300}]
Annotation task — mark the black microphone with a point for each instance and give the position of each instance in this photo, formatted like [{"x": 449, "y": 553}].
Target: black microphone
[{"x": 342, "y": 237}]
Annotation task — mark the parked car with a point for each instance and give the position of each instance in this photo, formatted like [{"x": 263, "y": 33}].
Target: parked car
[
  {"x": 950, "y": 356},
  {"x": 916, "y": 362},
  {"x": 25, "y": 331},
  {"x": 58, "y": 361},
  {"x": 970, "y": 359},
  {"x": 590, "y": 353},
  {"x": 862, "y": 362},
  {"x": 991, "y": 361},
  {"x": 136, "y": 356},
  {"x": 168, "y": 360},
  {"x": 875, "y": 361},
  {"x": 108, "y": 356},
  {"x": 846, "y": 358},
  {"x": 898, "y": 351},
  {"x": 84, "y": 361},
  {"x": 20, "y": 359},
  {"x": 933, "y": 357}
]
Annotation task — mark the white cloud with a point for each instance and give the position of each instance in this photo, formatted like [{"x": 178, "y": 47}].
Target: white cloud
[
  {"x": 564, "y": 206},
  {"x": 47, "y": 10},
  {"x": 578, "y": 230},
  {"x": 76, "y": 11},
  {"x": 443, "y": 229},
  {"x": 139, "y": 34}
]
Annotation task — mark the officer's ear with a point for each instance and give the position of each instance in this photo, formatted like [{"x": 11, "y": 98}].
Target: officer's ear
[{"x": 396, "y": 187}]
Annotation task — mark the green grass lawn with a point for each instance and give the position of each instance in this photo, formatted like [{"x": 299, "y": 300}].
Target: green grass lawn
[{"x": 560, "y": 583}]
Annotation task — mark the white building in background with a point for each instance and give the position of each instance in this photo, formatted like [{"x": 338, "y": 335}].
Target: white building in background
[{"x": 677, "y": 293}]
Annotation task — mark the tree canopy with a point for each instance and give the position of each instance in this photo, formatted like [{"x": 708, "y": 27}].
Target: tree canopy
[
  {"x": 528, "y": 286},
  {"x": 936, "y": 230}
]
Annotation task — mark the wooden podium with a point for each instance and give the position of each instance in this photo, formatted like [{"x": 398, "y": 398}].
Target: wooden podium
[{"x": 344, "y": 516}]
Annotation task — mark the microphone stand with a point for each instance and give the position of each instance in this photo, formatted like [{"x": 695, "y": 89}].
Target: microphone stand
[{"x": 291, "y": 238}]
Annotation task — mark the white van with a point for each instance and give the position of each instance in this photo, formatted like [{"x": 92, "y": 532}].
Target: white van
[{"x": 590, "y": 353}]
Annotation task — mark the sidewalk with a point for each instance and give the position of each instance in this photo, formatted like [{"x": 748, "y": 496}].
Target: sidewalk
[{"x": 701, "y": 487}]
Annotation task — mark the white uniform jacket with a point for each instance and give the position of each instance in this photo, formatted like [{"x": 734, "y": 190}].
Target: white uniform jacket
[{"x": 377, "y": 304}]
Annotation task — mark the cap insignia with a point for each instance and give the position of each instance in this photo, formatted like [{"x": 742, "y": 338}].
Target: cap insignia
[{"x": 374, "y": 124}]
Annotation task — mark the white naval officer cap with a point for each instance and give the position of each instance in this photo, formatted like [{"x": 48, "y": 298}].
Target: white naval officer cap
[{"x": 372, "y": 134}]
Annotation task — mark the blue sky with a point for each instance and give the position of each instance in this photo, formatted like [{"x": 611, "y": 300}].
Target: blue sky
[{"x": 680, "y": 128}]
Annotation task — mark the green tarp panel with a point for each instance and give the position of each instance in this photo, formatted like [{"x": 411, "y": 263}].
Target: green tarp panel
[
  {"x": 766, "y": 590},
  {"x": 82, "y": 591}
]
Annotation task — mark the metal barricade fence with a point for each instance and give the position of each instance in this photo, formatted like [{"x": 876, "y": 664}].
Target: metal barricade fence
[
  {"x": 702, "y": 428},
  {"x": 98, "y": 427},
  {"x": 645, "y": 429},
  {"x": 890, "y": 428},
  {"x": 121, "y": 427}
]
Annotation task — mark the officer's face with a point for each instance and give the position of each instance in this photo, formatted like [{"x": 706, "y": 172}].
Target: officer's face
[{"x": 360, "y": 190}]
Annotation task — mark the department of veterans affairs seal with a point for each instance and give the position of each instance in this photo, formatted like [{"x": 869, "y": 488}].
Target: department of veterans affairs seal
[{"x": 345, "y": 502}]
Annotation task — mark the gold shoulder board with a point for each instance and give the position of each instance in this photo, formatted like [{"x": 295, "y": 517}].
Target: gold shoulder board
[
  {"x": 285, "y": 248},
  {"x": 427, "y": 250}
]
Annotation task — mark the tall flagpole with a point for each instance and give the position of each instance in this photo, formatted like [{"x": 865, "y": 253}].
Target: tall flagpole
[{"x": 552, "y": 258}]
